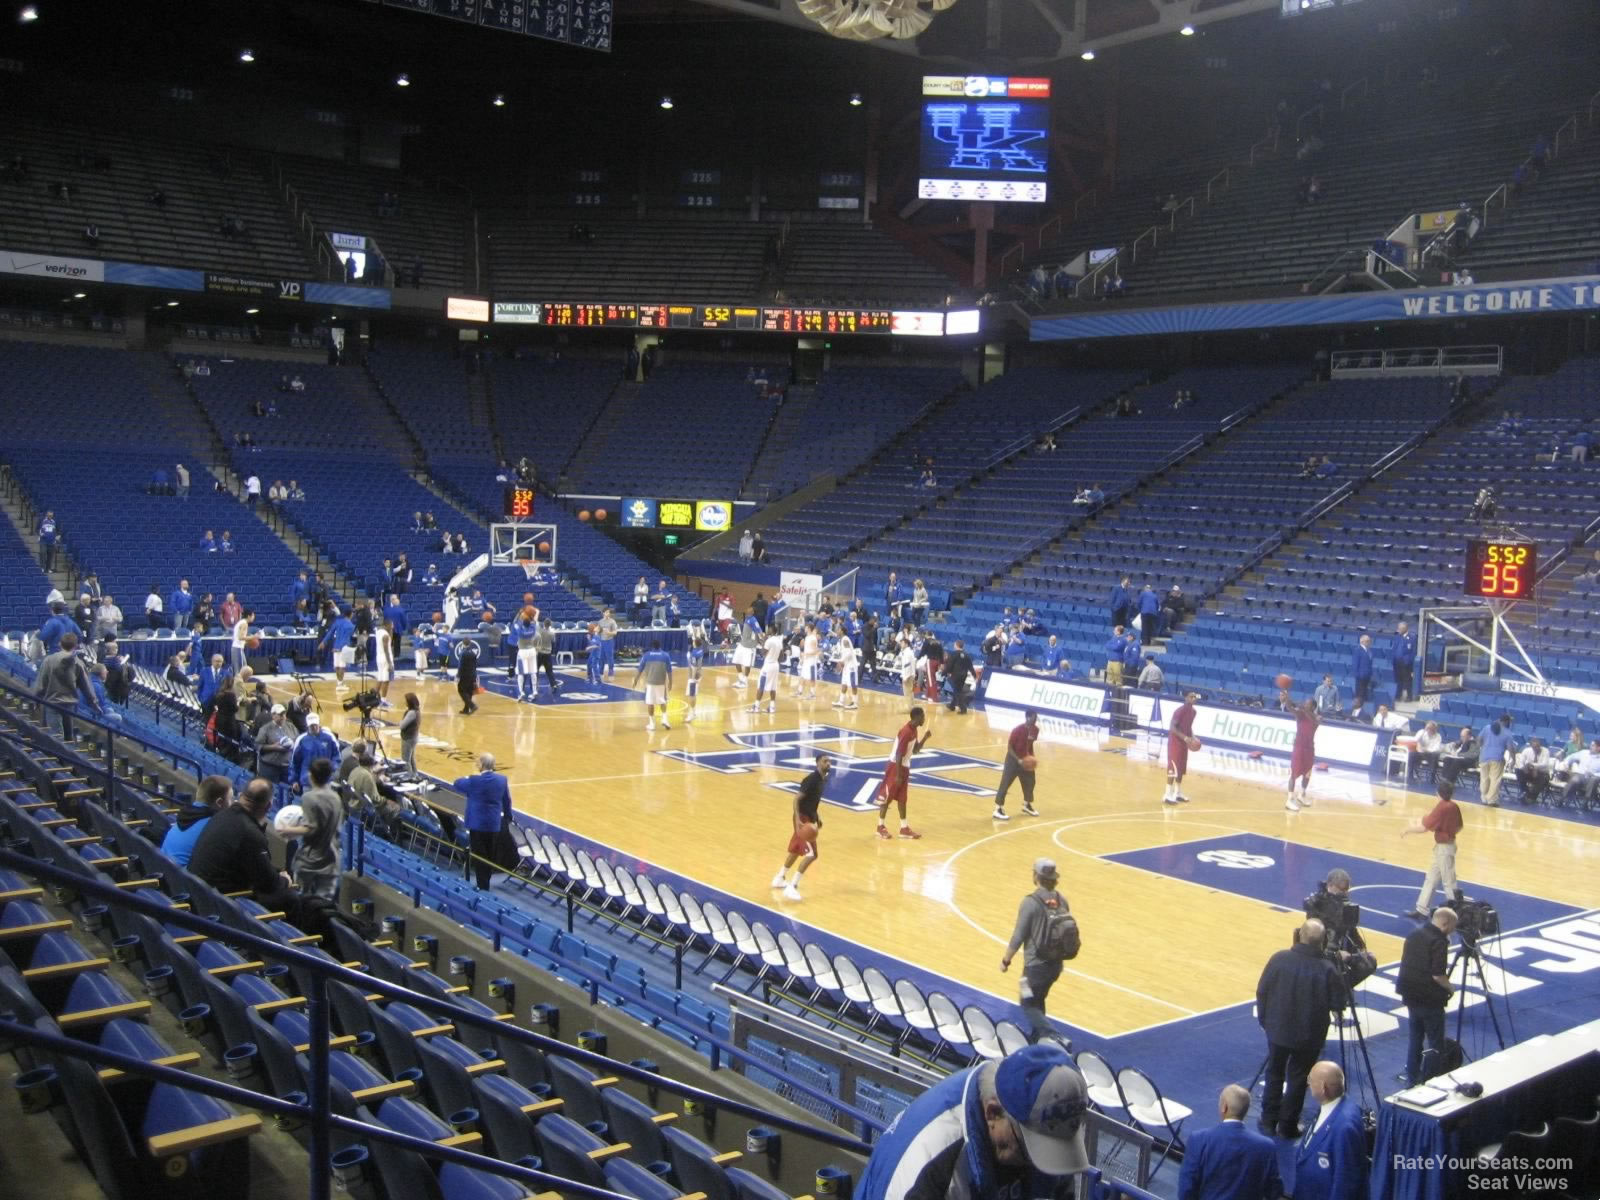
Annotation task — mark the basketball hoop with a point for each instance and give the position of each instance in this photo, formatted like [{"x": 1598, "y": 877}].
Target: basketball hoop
[{"x": 530, "y": 570}]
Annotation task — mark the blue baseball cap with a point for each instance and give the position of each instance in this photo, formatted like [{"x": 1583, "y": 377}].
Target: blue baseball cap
[{"x": 1043, "y": 1093}]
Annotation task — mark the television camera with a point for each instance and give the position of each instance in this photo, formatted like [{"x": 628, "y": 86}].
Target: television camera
[{"x": 1342, "y": 942}]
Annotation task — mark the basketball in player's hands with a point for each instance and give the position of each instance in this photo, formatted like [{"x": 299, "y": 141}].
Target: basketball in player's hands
[
  {"x": 527, "y": 613},
  {"x": 1193, "y": 743},
  {"x": 1029, "y": 762},
  {"x": 253, "y": 642},
  {"x": 1283, "y": 681}
]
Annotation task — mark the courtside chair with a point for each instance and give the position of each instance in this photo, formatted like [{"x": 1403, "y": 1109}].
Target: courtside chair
[
  {"x": 1011, "y": 1036},
  {"x": 854, "y": 988},
  {"x": 795, "y": 964},
  {"x": 745, "y": 947},
  {"x": 880, "y": 995},
  {"x": 1162, "y": 1119},
  {"x": 773, "y": 956},
  {"x": 722, "y": 935},
  {"x": 982, "y": 1034},
  {"x": 915, "y": 1013},
  {"x": 950, "y": 1028},
  {"x": 1100, "y": 1081},
  {"x": 822, "y": 974}
]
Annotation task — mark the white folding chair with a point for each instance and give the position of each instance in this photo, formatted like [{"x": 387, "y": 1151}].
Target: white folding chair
[
  {"x": 981, "y": 1033},
  {"x": 793, "y": 957},
  {"x": 822, "y": 972},
  {"x": 948, "y": 1025},
  {"x": 853, "y": 987},
  {"x": 1151, "y": 1112},
  {"x": 914, "y": 1011},
  {"x": 743, "y": 943},
  {"x": 772, "y": 955},
  {"x": 1011, "y": 1036},
  {"x": 1100, "y": 1081},
  {"x": 880, "y": 995}
]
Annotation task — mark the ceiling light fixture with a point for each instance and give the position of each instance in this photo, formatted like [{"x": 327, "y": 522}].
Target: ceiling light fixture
[
  {"x": 666, "y": 102},
  {"x": 1087, "y": 56},
  {"x": 402, "y": 80},
  {"x": 499, "y": 100},
  {"x": 28, "y": 14},
  {"x": 80, "y": 295},
  {"x": 250, "y": 312},
  {"x": 172, "y": 304},
  {"x": 855, "y": 99},
  {"x": 1187, "y": 31},
  {"x": 247, "y": 55}
]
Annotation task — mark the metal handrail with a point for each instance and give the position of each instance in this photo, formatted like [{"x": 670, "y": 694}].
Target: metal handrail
[
  {"x": 1549, "y": 566},
  {"x": 1054, "y": 219},
  {"x": 1569, "y": 127},
  {"x": 1092, "y": 195},
  {"x": 319, "y": 970},
  {"x": 1315, "y": 110},
  {"x": 1594, "y": 102},
  {"x": 1153, "y": 233},
  {"x": 1359, "y": 85},
  {"x": 1188, "y": 203},
  {"x": 1267, "y": 145},
  {"x": 1224, "y": 176}
]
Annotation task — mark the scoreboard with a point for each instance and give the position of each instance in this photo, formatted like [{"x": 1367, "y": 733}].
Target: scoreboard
[
  {"x": 1501, "y": 570},
  {"x": 587, "y": 314},
  {"x": 518, "y": 505},
  {"x": 585, "y": 23}
]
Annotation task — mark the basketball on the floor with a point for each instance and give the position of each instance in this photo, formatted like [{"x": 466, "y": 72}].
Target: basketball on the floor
[
  {"x": 1283, "y": 681},
  {"x": 544, "y": 547},
  {"x": 288, "y": 817},
  {"x": 527, "y": 613},
  {"x": 583, "y": 514},
  {"x": 599, "y": 514},
  {"x": 1029, "y": 762},
  {"x": 1194, "y": 743}
]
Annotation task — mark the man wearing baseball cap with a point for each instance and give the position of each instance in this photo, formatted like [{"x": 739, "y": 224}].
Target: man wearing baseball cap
[
  {"x": 1036, "y": 935},
  {"x": 992, "y": 1132}
]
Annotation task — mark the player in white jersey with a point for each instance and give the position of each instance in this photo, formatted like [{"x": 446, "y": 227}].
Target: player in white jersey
[
  {"x": 744, "y": 654},
  {"x": 810, "y": 660},
  {"x": 849, "y": 673},
  {"x": 383, "y": 661},
  {"x": 905, "y": 661},
  {"x": 771, "y": 668},
  {"x": 847, "y": 658}
]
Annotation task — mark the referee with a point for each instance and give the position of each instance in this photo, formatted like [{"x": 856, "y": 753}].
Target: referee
[{"x": 807, "y": 824}]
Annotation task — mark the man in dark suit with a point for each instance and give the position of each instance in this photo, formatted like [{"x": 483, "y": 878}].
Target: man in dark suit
[
  {"x": 1331, "y": 1163},
  {"x": 1294, "y": 999},
  {"x": 488, "y": 797},
  {"x": 1229, "y": 1161}
]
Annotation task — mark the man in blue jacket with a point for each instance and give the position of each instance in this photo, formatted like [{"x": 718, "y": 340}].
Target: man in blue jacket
[
  {"x": 55, "y": 626},
  {"x": 181, "y": 605},
  {"x": 1230, "y": 1161},
  {"x": 1331, "y": 1162},
  {"x": 47, "y": 542},
  {"x": 1115, "y": 646},
  {"x": 1403, "y": 653},
  {"x": 1361, "y": 667},
  {"x": 1149, "y": 615},
  {"x": 488, "y": 811},
  {"x": 1002, "y": 1130},
  {"x": 309, "y": 746},
  {"x": 1122, "y": 602}
]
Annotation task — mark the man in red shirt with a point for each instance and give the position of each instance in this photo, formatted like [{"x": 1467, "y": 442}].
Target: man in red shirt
[
  {"x": 1304, "y": 757},
  {"x": 1018, "y": 747},
  {"x": 898, "y": 774},
  {"x": 1444, "y": 822},
  {"x": 1180, "y": 740}
]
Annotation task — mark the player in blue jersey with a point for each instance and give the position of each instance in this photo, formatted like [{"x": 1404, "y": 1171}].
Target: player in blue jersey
[
  {"x": 525, "y": 632},
  {"x": 423, "y": 642},
  {"x": 697, "y": 664},
  {"x": 593, "y": 655}
]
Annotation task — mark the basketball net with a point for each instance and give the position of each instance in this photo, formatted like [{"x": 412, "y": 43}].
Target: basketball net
[{"x": 530, "y": 570}]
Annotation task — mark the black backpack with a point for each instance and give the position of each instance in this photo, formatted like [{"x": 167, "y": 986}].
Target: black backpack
[{"x": 1061, "y": 938}]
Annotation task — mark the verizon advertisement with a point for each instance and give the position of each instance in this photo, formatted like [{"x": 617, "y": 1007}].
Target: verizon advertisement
[{"x": 53, "y": 266}]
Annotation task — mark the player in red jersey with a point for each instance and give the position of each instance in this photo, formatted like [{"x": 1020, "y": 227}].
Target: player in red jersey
[
  {"x": 898, "y": 773},
  {"x": 1180, "y": 740},
  {"x": 1305, "y": 754}
]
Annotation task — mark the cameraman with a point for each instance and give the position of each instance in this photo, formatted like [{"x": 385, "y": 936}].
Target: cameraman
[
  {"x": 1424, "y": 985},
  {"x": 1298, "y": 990},
  {"x": 1330, "y": 905}
]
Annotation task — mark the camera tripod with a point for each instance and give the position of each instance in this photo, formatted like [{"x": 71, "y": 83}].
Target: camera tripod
[
  {"x": 1468, "y": 953},
  {"x": 1369, "y": 1083}
]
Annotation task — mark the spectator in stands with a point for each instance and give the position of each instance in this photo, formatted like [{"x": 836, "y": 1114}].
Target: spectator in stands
[
  {"x": 1539, "y": 156},
  {"x": 296, "y": 492},
  {"x": 1582, "y": 443},
  {"x": 205, "y": 612},
  {"x": 1081, "y": 497},
  {"x": 55, "y": 626},
  {"x": 308, "y": 747},
  {"x": 1052, "y": 656},
  {"x": 459, "y": 544},
  {"x": 275, "y": 738},
  {"x": 919, "y": 603},
  {"x": 180, "y": 604},
  {"x": 1152, "y": 678},
  {"x": 1361, "y": 669},
  {"x": 1132, "y": 656},
  {"x": 746, "y": 547},
  {"x": 1149, "y": 614},
  {"x": 429, "y": 523},
  {"x": 208, "y": 543},
  {"x": 658, "y": 604},
  {"x": 107, "y": 619},
  {"x": 929, "y": 479},
  {"x": 1403, "y": 654},
  {"x": 416, "y": 521},
  {"x": 152, "y": 609},
  {"x": 61, "y": 679},
  {"x": 641, "y": 601},
  {"x": 430, "y": 577},
  {"x": 1391, "y": 722},
  {"x": 83, "y": 616},
  {"x": 394, "y": 612},
  {"x": 1174, "y": 606},
  {"x": 230, "y": 612},
  {"x": 446, "y": 542},
  {"x": 758, "y": 549},
  {"x": 91, "y": 234},
  {"x": 1326, "y": 697},
  {"x": 1122, "y": 600},
  {"x": 1533, "y": 769},
  {"x": 48, "y": 534},
  {"x": 177, "y": 673},
  {"x": 1583, "y": 777},
  {"x": 252, "y": 491},
  {"x": 1314, "y": 190},
  {"x": 1114, "y": 648},
  {"x": 1126, "y": 407},
  {"x": 1170, "y": 204},
  {"x": 1430, "y": 745},
  {"x": 232, "y": 853},
  {"x": 225, "y": 542},
  {"x": 300, "y": 595}
]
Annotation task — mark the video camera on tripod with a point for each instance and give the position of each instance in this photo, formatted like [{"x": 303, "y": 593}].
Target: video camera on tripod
[
  {"x": 1475, "y": 919},
  {"x": 1342, "y": 942},
  {"x": 366, "y": 701}
]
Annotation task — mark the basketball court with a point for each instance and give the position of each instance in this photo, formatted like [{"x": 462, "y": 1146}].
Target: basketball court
[{"x": 1180, "y": 905}]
